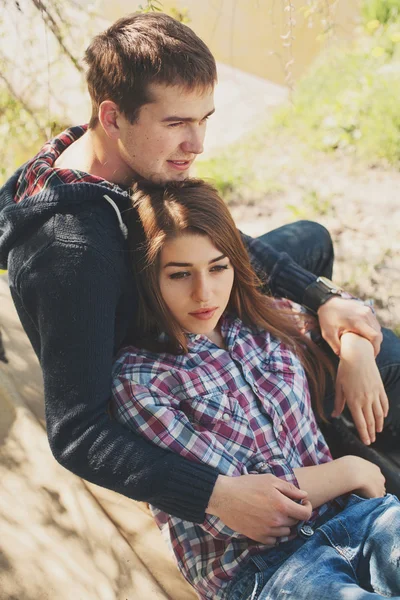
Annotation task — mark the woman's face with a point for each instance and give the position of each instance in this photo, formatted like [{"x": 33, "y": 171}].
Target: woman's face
[{"x": 196, "y": 281}]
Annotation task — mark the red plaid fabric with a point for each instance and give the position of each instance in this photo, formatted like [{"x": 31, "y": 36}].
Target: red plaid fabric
[
  {"x": 242, "y": 410},
  {"x": 39, "y": 173}
]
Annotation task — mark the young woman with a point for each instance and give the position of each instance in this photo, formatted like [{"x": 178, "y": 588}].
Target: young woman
[{"x": 224, "y": 376}]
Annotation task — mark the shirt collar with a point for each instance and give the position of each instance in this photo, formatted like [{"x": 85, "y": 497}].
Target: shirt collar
[{"x": 230, "y": 328}]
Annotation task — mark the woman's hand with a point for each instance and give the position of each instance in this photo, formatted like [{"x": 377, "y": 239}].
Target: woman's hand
[
  {"x": 339, "y": 315},
  {"x": 368, "y": 478},
  {"x": 359, "y": 384}
]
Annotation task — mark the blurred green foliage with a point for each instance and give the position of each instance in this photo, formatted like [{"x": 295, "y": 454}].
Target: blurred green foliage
[
  {"x": 22, "y": 132},
  {"x": 150, "y": 6},
  {"x": 239, "y": 172},
  {"x": 383, "y": 11},
  {"x": 18, "y": 130},
  {"x": 349, "y": 100}
]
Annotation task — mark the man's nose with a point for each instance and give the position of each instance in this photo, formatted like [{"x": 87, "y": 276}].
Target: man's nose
[{"x": 193, "y": 144}]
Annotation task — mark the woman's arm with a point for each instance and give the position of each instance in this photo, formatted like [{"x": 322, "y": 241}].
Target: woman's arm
[
  {"x": 288, "y": 279},
  {"x": 341, "y": 476},
  {"x": 359, "y": 385}
]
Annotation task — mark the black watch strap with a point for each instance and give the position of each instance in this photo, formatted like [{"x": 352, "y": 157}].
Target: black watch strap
[{"x": 319, "y": 292}]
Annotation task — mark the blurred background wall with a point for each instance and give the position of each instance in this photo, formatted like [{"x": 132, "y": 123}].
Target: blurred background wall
[{"x": 246, "y": 34}]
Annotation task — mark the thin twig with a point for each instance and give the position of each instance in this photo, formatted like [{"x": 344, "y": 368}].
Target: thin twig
[
  {"x": 54, "y": 28},
  {"x": 24, "y": 105}
]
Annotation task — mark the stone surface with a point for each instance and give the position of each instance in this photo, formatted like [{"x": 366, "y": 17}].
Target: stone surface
[{"x": 58, "y": 538}]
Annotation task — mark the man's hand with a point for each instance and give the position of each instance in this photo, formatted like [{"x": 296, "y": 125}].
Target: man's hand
[
  {"x": 261, "y": 507},
  {"x": 339, "y": 315}
]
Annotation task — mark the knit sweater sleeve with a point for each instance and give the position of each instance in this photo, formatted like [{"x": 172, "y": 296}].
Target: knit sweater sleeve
[
  {"x": 67, "y": 301},
  {"x": 282, "y": 275}
]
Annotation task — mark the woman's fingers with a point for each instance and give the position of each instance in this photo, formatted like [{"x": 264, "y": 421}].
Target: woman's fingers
[
  {"x": 340, "y": 400},
  {"x": 384, "y": 402},
  {"x": 370, "y": 421},
  {"x": 361, "y": 425},
  {"x": 378, "y": 415}
]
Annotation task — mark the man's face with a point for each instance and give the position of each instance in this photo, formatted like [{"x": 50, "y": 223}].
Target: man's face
[{"x": 168, "y": 133}]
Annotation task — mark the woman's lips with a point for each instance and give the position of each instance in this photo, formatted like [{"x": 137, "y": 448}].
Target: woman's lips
[{"x": 204, "y": 314}]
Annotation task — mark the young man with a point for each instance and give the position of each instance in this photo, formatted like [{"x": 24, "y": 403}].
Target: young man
[{"x": 151, "y": 82}]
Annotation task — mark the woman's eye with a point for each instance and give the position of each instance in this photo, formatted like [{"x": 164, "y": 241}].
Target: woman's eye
[
  {"x": 219, "y": 268},
  {"x": 179, "y": 275}
]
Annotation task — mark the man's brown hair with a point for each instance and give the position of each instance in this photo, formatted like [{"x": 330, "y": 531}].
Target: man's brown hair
[
  {"x": 193, "y": 206},
  {"x": 140, "y": 49}
]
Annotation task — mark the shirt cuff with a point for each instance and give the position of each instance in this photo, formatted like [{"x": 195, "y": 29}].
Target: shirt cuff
[{"x": 188, "y": 492}]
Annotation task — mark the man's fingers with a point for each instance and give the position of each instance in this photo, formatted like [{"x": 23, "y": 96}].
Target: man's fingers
[
  {"x": 290, "y": 490},
  {"x": 273, "y": 534},
  {"x": 267, "y": 540},
  {"x": 278, "y": 532},
  {"x": 288, "y": 522},
  {"x": 301, "y": 512},
  {"x": 332, "y": 338}
]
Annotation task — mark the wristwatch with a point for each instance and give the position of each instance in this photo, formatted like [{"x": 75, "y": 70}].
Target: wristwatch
[{"x": 320, "y": 291}]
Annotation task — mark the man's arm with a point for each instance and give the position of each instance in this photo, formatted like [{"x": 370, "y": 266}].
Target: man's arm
[
  {"x": 67, "y": 302},
  {"x": 284, "y": 277},
  {"x": 74, "y": 343},
  {"x": 263, "y": 507},
  {"x": 158, "y": 417}
]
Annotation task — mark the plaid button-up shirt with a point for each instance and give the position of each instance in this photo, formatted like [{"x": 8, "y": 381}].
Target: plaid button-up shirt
[{"x": 242, "y": 410}]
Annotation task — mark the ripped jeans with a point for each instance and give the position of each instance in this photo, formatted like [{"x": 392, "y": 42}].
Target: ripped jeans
[{"x": 352, "y": 555}]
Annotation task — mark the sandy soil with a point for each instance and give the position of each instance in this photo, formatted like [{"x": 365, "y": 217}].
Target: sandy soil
[{"x": 359, "y": 205}]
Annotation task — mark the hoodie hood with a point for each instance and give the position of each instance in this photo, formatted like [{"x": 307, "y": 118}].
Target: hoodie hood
[
  {"x": 28, "y": 214},
  {"x": 37, "y": 191}
]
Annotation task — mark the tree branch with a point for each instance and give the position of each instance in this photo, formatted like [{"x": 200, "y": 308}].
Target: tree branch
[
  {"x": 55, "y": 30},
  {"x": 24, "y": 105}
]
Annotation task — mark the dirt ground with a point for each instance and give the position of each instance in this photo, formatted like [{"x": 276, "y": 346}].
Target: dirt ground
[{"x": 359, "y": 205}]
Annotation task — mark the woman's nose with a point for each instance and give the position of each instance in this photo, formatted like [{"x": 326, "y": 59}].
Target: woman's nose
[{"x": 201, "y": 290}]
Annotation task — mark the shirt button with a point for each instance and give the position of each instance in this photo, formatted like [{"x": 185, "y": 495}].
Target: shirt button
[
  {"x": 307, "y": 530},
  {"x": 226, "y": 417}
]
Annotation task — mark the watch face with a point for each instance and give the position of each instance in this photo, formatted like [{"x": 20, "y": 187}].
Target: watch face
[
  {"x": 332, "y": 287},
  {"x": 327, "y": 282}
]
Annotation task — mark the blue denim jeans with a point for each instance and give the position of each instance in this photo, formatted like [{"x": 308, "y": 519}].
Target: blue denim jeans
[
  {"x": 310, "y": 245},
  {"x": 353, "y": 554}
]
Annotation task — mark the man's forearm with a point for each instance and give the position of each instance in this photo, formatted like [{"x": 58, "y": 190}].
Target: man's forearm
[{"x": 281, "y": 274}]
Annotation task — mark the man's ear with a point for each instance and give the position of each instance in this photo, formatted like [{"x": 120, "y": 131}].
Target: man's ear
[{"x": 109, "y": 115}]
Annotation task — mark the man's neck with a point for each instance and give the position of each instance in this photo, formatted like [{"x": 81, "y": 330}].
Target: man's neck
[{"x": 93, "y": 153}]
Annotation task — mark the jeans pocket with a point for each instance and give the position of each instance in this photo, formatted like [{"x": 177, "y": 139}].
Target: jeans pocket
[
  {"x": 246, "y": 587},
  {"x": 258, "y": 587}
]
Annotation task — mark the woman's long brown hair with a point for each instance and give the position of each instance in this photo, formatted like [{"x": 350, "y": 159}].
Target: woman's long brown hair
[{"x": 193, "y": 206}]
